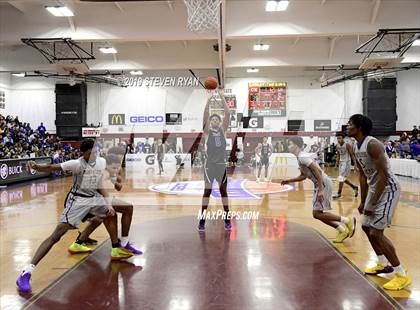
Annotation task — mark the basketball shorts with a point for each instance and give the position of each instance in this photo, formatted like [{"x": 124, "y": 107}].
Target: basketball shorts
[
  {"x": 264, "y": 161},
  {"x": 325, "y": 204},
  {"x": 384, "y": 209},
  {"x": 344, "y": 170},
  {"x": 77, "y": 208},
  {"x": 214, "y": 171}
]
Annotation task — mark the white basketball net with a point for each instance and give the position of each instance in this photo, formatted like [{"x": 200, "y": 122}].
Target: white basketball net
[{"x": 203, "y": 15}]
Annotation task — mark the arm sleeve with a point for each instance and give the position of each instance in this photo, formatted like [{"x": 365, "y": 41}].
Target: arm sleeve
[
  {"x": 305, "y": 160},
  {"x": 71, "y": 166}
]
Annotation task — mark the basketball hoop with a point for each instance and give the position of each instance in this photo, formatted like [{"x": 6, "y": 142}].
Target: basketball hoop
[{"x": 203, "y": 15}]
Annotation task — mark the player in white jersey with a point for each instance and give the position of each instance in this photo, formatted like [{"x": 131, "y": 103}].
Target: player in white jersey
[
  {"x": 87, "y": 195},
  {"x": 380, "y": 192},
  {"x": 344, "y": 157},
  {"x": 322, "y": 192},
  {"x": 114, "y": 181}
]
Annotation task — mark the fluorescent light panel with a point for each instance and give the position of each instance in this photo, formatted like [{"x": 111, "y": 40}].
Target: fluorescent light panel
[
  {"x": 108, "y": 50},
  {"x": 20, "y": 74},
  {"x": 136, "y": 72},
  {"x": 252, "y": 70},
  {"x": 416, "y": 43},
  {"x": 59, "y": 11},
  {"x": 261, "y": 47},
  {"x": 276, "y": 5}
]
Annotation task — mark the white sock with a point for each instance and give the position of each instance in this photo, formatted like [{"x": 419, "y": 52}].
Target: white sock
[
  {"x": 29, "y": 269},
  {"x": 344, "y": 219},
  {"x": 382, "y": 260},
  {"x": 400, "y": 269},
  {"x": 124, "y": 241},
  {"x": 341, "y": 228}
]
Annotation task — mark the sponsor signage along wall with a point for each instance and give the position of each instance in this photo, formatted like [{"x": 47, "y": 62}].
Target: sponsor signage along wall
[
  {"x": 322, "y": 125},
  {"x": 146, "y": 119},
  {"x": 296, "y": 125},
  {"x": 173, "y": 118},
  {"x": 88, "y": 132},
  {"x": 253, "y": 122},
  {"x": 116, "y": 119},
  {"x": 14, "y": 170}
]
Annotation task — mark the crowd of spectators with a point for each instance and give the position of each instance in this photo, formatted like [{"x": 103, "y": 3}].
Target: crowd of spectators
[
  {"x": 20, "y": 140},
  {"x": 407, "y": 146}
]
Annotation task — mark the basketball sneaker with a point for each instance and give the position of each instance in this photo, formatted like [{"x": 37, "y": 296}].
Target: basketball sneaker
[
  {"x": 351, "y": 226},
  {"x": 338, "y": 196},
  {"x": 378, "y": 269},
  {"x": 129, "y": 247},
  {"x": 228, "y": 226},
  {"x": 266, "y": 180},
  {"x": 120, "y": 253},
  {"x": 341, "y": 236},
  {"x": 201, "y": 227},
  {"x": 89, "y": 241},
  {"x": 356, "y": 191},
  {"x": 76, "y": 248},
  {"x": 398, "y": 283},
  {"x": 23, "y": 282}
]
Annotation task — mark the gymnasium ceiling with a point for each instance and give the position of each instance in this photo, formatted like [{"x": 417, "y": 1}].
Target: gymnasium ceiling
[{"x": 153, "y": 35}]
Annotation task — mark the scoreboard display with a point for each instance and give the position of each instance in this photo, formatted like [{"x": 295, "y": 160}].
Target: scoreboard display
[{"x": 267, "y": 99}]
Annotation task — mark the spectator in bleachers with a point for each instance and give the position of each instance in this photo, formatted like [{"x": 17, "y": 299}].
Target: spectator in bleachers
[{"x": 18, "y": 140}]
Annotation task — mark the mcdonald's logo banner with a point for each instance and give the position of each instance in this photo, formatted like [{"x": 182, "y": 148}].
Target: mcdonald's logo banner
[{"x": 116, "y": 119}]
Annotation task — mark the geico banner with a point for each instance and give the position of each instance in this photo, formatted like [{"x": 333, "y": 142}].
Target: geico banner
[
  {"x": 146, "y": 120},
  {"x": 91, "y": 132},
  {"x": 14, "y": 170}
]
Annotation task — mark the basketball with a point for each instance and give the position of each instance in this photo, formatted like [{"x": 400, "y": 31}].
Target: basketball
[{"x": 210, "y": 83}]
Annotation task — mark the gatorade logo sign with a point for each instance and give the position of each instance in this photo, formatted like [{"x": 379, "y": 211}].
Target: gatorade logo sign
[
  {"x": 150, "y": 159},
  {"x": 253, "y": 122}
]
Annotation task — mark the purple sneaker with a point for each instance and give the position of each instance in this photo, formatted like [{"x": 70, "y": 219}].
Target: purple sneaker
[
  {"x": 228, "y": 226},
  {"x": 201, "y": 227},
  {"x": 132, "y": 249},
  {"x": 23, "y": 282}
]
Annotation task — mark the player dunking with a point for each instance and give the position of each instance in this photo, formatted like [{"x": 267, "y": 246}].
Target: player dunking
[
  {"x": 322, "y": 192},
  {"x": 344, "y": 156},
  {"x": 214, "y": 130},
  {"x": 86, "y": 196},
  {"x": 265, "y": 152},
  {"x": 380, "y": 192}
]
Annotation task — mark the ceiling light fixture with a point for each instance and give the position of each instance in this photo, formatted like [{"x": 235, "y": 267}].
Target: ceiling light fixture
[
  {"x": 20, "y": 74},
  {"x": 108, "y": 50},
  {"x": 416, "y": 43},
  {"x": 136, "y": 72},
  {"x": 60, "y": 11},
  {"x": 276, "y": 5},
  {"x": 252, "y": 70},
  {"x": 261, "y": 47}
]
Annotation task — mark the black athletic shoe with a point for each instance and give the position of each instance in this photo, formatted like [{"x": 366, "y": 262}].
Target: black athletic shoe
[{"x": 89, "y": 241}]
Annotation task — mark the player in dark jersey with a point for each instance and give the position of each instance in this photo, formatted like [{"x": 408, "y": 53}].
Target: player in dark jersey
[
  {"x": 265, "y": 152},
  {"x": 160, "y": 154},
  {"x": 214, "y": 129}
]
